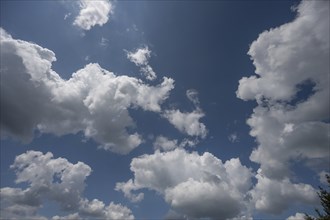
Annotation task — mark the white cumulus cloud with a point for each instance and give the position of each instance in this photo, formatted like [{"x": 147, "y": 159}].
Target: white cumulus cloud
[
  {"x": 140, "y": 57},
  {"x": 165, "y": 144},
  {"x": 203, "y": 186},
  {"x": 290, "y": 58},
  {"x": 94, "y": 101},
  {"x": 53, "y": 179},
  {"x": 297, "y": 216},
  {"x": 93, "y": 13},
  {"x": 187, "y": 122},
  {"x": 274, "y": 196}
]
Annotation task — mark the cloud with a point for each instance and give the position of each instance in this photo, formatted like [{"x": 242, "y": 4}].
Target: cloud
[
  {"x": 291, "y": 87},
  {"x": 73, "y": 216},
  {"x": 55, "y": 180},
  {"x": 192, "y": 95},
  {"x": 15, "y": 203},
  {"x": 148, "y": 72},
  {"x": 188, "y": 198},
  {"x": 67, "y": 15},
  {"x": 93, "y": 13},
  {"x": 297, "y": 216},
  {"x": 127, "y": 188},
  {"x": 94, "y": 101},
  {"x": 140, "y": 58},
  {"x": 187, "y": 122},
  {"x": 104, "y": 42},
  {"x": 274, "y": 196},
  {"x": 164, "y": 144},
  {"x": 233, "y": 138},
  {"x": 202, "y": 187},
  {"x": 323, "y": 178},
  {"x": 97, "y": 209},
  {"x": 173, "y": 215}
]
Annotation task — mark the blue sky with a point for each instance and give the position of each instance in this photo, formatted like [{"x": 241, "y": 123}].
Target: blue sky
[{"x": 163, "y": 109}]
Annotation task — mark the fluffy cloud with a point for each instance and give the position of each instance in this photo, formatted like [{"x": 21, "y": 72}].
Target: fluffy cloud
[
  {"x": 187, "y": 122},
  {"x": 274, "y": 196},
  {"x": 202, "y": 187},
  {"x": 93, "y": 100},
  {"x": 56, "y": 180},
  {"x": 93, "y": 13},
  {"x": 297, "y": 216},
  {"x": 127, "y": 188},
  {"x": 290, "y": 122},
  {"x": 165, "y": 144},
  {"x": 292, "y": 92},
  {"x": 97, "y": 209},
  {"x": 140, "y": 58},
  {"x": 204, "y": 199},
  {"x": 16, "y": 203}
]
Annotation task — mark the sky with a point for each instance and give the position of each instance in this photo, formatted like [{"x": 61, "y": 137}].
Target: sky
[{"x": 163, "y": 109}]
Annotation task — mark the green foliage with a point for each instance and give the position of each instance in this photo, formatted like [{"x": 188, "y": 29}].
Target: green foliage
[{"x": 324, "y": 196}]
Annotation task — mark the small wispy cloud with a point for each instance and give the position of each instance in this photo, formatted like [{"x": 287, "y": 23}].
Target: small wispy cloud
[
  {"x": 67, "y": 15},
  {"x": 233, "y": 138},
  {"x": 104, "y": 42},
  {"x": 140, "y": 58},
  {"x": 192, "y": 95}
]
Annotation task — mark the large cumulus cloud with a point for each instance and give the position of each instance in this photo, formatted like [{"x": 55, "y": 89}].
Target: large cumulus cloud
[
  {"x": 93, "y": 101},
  {"x": 53, "y": 179},
  {"x": 291, "y": 87},
  {"x": 291, "y": 120},
  {"x": 203, "y": 186},
  {"x": 274, "y": 196}
]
